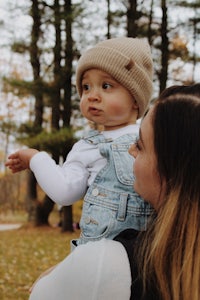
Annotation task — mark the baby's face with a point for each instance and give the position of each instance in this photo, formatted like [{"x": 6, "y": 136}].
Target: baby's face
[{"x": 105, "y": 101}]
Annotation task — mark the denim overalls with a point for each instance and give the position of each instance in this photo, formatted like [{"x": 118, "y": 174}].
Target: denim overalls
[{"x": 110, "y": 204}]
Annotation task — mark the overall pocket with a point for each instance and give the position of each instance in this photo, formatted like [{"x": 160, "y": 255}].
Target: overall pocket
[
  {"x": 96, "y": 221},
  {"x": 123, "y": 162}
]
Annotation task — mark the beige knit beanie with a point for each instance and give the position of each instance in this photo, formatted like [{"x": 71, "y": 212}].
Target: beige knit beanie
[{"x": 128, "y": 61}]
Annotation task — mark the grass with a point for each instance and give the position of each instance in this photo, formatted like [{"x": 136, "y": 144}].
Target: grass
[{"x": 27, "y": 252}]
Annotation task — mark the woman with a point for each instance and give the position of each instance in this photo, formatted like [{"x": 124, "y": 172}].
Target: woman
[
  {"x": 165, "y": 260},
  {"x": 169, "y": 141}
]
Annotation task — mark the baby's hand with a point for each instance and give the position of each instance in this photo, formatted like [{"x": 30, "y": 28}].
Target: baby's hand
[{"x": 20, "y": 160}]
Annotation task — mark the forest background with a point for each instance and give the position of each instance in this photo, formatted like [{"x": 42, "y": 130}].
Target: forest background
[{"x": 41, "y": 41}]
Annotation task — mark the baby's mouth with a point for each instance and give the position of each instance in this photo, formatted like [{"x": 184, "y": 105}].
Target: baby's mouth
[{"x": 94, "y": 110}]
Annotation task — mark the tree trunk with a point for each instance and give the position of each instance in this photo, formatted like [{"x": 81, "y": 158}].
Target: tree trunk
[
  {"x": 132, "y": 17},
  {"x": 164, "y": 48},
  {"x": 67, "y": 224},
  {"x": 67, "y": 220},
  {"x": 46, "y": 207},
  {"x": 35, "y": 62},
  {"x": 109, "y": 19},
  {"x": 43, "y": 211},
  {"x": 61, "y": 88},
  {"x": 67, "y": 69},
  {"x": 56, "y": 95},
  {"x": 149, "y": 32},
  {"x": 31, "y": 197},
  {"x": 195, "y": 34}
]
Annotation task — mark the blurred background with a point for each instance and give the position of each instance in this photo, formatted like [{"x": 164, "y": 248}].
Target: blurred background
[
  {"x": 41, "y": 41},
  {"x": 40, "y": 44}
]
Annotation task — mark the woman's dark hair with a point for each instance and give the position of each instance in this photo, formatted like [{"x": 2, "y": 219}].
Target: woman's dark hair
[
  {"x": 193, "y": 89},
  {"x": 177, "y": 139},
  {"x": 169, "y": 256}
]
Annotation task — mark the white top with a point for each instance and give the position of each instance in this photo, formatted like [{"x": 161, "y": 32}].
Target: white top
[
  {"x": 68, "y": 183},
  {"x": 93, "y": 271}
]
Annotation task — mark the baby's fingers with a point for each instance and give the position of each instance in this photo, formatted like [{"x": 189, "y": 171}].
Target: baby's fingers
[
  {"x": 12, "y": 162},
  {"x": 13, "y": 155},
  {"x": 15, "y": 165}
]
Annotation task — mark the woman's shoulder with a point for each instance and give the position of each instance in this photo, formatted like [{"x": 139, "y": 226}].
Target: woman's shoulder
[
  {"x": 107, "y": 267},
  {"x": 106, "y": 250},
  {"x": 112, "y": 253},
  {"x": 96, "y": 270}
]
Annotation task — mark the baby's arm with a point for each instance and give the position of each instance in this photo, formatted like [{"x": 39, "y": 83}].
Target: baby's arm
[
  {"x": 63, "y": 184},
  {"x": 20, "y": 160}
]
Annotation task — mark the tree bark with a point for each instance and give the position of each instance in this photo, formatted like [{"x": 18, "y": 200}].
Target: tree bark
[
  {"x": 35, "y": 62},
  {"x": 67, "y": 224},
  {"x": 60, "y": 97},
  {"x": 67, "y": 220},
  {"x": 132, "y": 17},
  {"x": 164, "y": 48},
  {"x": 109, "y": 19},
  {"x": 149, "y": 32}
]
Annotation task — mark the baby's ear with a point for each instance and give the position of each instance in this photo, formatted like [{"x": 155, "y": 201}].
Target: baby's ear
[{"x": 135, "y": 105}]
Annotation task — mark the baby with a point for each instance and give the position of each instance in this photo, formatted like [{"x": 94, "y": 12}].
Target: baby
[{"x": 114, "y": 81}]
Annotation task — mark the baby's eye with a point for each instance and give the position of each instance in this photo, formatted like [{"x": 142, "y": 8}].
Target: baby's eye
[
  {"x": 85, "y": 87},
  {"x": 106, "y": 85}
]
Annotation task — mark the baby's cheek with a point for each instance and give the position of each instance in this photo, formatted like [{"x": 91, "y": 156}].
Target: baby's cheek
[
  {"x": 82, "y": 106},
  {"x": 116, "y": 109}
]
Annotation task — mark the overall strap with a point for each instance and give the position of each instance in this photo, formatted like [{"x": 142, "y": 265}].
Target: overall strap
[
  {"x": 95, "y": 137},
  {"x": 128, "y": 238}
]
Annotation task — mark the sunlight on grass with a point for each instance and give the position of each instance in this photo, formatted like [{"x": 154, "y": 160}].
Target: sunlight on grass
[
  {"x": 13, "y": 217},
  {"x": 26, "y": 253}
]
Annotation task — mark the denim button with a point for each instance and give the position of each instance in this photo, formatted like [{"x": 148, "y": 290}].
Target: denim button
[
  {"x": 87, "y": 220},
  {"x": 95, "y": 192}
]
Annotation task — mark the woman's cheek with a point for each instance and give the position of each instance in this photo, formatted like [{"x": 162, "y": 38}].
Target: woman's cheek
[
  {"x": 136, "y": 176},
  {"x": 135, "y": 168}
]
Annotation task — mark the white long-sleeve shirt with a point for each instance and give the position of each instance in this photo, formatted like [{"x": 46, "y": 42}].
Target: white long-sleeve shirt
[
  {"x": 94, "y": 271},
  {"x": 68, "y": 183}
]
